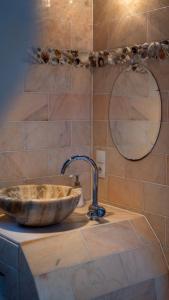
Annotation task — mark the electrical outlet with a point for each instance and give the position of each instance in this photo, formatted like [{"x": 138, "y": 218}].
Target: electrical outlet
[{"x": 101, "y": 162}]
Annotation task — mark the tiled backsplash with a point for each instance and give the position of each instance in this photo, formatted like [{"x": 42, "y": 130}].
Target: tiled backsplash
[
  {"x": 137, "y": 185},
  {"x": 50, "y": 117}
]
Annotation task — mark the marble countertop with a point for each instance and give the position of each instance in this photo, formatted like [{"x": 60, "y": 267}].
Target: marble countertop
[
  {"x": 78, "y": 220},
  {"x": 118, "y": 256}
]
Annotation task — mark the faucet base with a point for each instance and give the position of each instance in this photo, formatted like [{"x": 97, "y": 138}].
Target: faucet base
[{"x": 96, "y": 212}]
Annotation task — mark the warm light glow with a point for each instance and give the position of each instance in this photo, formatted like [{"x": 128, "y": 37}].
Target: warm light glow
[
  {"x": 127, "y": 1},
  {"x": 71, "y": 1},
  {"x": 47, "y": 3}
]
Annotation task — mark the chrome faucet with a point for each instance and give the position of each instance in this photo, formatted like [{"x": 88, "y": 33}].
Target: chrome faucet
[{"x": 95, "y": 211}]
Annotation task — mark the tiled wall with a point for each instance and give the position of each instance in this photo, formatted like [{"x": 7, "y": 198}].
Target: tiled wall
[
  {"x": 50, "y": 118},
  {"x": 143, "y": 185}
]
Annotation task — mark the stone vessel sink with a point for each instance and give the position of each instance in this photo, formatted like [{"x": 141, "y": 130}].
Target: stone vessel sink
[{"x": 39, "y": 205}]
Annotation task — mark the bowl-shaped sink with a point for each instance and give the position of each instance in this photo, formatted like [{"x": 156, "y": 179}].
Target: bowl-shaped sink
[{"x": 39, "y": 205}]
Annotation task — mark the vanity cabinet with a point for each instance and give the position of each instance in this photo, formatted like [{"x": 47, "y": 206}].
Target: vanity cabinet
[{"x": 83, "y": 260}]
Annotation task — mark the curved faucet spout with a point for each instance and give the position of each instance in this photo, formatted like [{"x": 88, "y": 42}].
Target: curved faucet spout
[{"x": 94, "y": 210}]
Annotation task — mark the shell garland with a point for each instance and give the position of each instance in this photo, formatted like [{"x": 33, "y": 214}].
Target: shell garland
[{"x": 133, "y": 56}]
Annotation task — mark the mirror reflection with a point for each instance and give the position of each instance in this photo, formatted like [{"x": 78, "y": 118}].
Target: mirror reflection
[{"x": 135, "y": 113}]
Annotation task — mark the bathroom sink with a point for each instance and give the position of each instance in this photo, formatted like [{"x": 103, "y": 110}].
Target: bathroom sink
[{"x": 39, "y": 205}]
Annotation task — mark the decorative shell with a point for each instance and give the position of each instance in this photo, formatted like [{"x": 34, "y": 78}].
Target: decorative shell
[{"x": 133, "y": 56}]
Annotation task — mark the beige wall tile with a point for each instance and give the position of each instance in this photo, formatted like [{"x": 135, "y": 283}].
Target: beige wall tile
[
  {"x": 104, "y": 78},
  {"x": 11, "y": 137},
  {"x": 102, "y": 12},
  {"x": 11, "y": 167},
  {"x": 23, "y": 164},
  {"x": 100, "y": 107},
  {"x": 81, "y": 37},
  {"x": 154, "y": 4},
  {"x": 102, "y": 190},
  {"x": 70, "y": 11},
  {"x": 69, "y": 107},
  {"x": 100, "y": 133},
  {"x": 158, "y": 224},
  {"x": 156, "y": 199},
  {"x": 34, "y": 163},
  {"x": 57, "y": 157},
  {"x": 165, "y": 106},
  {"x": 81, "y": 81},
  {"x": 125, "y": 193},
  {"x": 127, "y": 31},
  {"x": 158, "y": 22},
  {"x": 81, "y": 133},
  {"x": 115, "y": 163},
  {"x": 110, "y": 142},
  {"x": 53, "y": 29},
  {"x": 36, "y": 135},
  {"x": 166, "y": 252},
  {"x": 11, "y": 182},
  {"x": 48, "y": 79},
  {"x": 160, "y": 70},
  {"x": 162, "y": 144},
  {"x": 55, "y": 32},
  {"x": 119, "y": 8},
  {"x": 28, "y": 107},
  {"x": 143, "y": 230},
  {"x": 151, "y": 168},
  {"x": 81, "y": 12},
  {"x": 47, "y": 134},
  {"x": 57, "y": 8},
  {"x": 100, "y": 36},
  {"x": 59, "y": 134}
]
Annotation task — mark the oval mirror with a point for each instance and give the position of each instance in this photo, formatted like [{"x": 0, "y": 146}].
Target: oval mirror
[{"x": 135, "y": 113}]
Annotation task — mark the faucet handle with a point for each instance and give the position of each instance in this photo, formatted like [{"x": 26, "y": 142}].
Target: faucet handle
[{"x": 96, "y": 212}]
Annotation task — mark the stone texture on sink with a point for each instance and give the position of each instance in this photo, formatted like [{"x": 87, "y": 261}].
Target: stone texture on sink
[
  {"x": 39, "y": 205},
  {"x": 118, "y": 257}
]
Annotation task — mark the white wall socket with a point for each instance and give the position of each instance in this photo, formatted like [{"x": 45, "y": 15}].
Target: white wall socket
[{"x": 101, "y": 162}]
